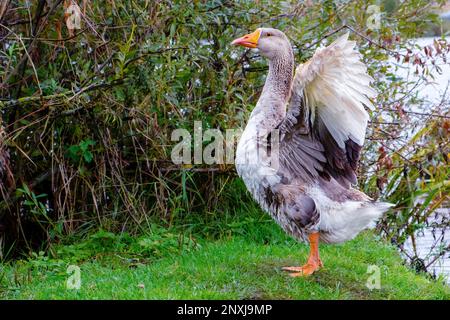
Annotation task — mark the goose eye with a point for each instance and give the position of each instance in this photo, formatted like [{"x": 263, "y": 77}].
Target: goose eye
[{"x": 268, "y": 34}]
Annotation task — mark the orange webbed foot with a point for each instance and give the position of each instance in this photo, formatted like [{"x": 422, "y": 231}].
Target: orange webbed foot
[
  {"x": 306, "y": 270},
  {"x": 314, "y": 263}
]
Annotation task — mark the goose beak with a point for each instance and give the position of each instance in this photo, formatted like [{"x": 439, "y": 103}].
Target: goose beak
[{"x": 249, "y": 40}]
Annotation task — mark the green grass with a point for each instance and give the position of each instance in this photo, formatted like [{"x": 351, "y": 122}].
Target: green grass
[{"x": 245, "y": 265}]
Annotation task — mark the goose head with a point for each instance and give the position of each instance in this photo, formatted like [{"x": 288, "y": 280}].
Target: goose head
[{"x": 272, "y": 43}]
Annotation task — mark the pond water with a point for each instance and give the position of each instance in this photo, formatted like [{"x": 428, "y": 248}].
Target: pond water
[{"x": 428, "y": 242}]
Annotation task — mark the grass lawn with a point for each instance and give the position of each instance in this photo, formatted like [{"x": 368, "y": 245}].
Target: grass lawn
[{"x": 235, "y": 267}]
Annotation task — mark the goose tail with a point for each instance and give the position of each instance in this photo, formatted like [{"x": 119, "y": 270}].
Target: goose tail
[{"x": 345, "y": 221}]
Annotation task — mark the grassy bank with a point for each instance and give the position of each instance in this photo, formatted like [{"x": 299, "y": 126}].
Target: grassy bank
[{"x": 166, "y": 264}]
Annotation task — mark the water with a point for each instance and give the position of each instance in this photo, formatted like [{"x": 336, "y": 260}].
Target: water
[
  {"x": 428, "y": 244},
  {"x": 431, "y": 90},
  {"x": 427, "y": 241}
]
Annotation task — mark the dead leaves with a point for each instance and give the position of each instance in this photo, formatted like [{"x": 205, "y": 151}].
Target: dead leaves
[{"x": 384, "y": 165}]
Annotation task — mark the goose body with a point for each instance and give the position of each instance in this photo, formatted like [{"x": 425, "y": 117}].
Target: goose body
[{"x": 298, "y": 154}]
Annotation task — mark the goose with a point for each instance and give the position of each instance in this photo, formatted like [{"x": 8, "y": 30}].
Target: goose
[{"x": 298, "y": 154}]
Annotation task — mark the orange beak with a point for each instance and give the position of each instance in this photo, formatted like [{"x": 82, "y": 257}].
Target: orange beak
[{"x": 249, "y": 40}]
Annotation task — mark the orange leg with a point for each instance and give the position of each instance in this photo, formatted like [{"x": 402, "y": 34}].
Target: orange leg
[{"x": 313, "y": 263}]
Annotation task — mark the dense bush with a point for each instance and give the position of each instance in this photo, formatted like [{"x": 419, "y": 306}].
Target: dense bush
[{"x": 86, "y": 114}]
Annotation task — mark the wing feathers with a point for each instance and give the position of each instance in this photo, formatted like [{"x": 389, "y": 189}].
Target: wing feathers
[
  {"x": 336, "y": 88},
  {"x": 325, "y": 126}
]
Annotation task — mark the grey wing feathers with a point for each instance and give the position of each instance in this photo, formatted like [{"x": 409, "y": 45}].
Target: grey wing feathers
[
  {"x": 300, "y": 155},
  {"x": 324, "y": 128},
  {"x": 341, "y": 164},
  {"x": 308, "y": 150}
]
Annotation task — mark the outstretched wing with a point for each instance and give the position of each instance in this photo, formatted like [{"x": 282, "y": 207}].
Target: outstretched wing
[{"x": 327, "y": 109}]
